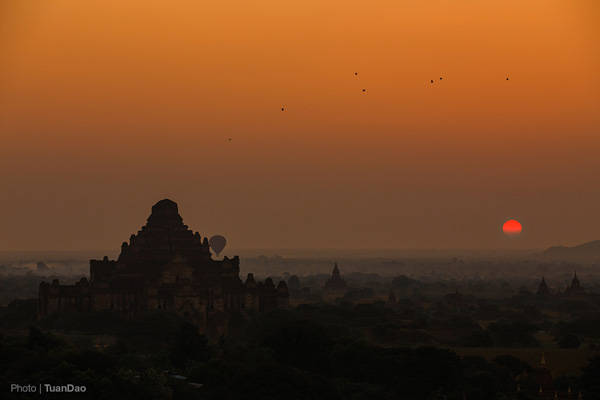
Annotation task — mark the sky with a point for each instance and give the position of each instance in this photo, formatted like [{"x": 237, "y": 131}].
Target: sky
[{"x": 108, "y": 106}]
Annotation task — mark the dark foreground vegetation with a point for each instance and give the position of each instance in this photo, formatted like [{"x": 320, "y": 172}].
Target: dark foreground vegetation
[
  {"x": 440, "y": 330},
  {"x": 310, "y": 352}
]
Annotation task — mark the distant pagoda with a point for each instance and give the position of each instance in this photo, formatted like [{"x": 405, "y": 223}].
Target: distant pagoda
[
  {"x": 575, "y": 288},
  {"x": 543, "y": 289},
  {"x": 335, "y": 283}
]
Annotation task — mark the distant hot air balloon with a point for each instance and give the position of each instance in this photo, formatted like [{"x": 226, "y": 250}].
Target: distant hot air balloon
[{"x": 217, "y": 243}]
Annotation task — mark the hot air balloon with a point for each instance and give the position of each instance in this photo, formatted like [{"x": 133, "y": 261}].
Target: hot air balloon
[{"x": 217, "y": 243}]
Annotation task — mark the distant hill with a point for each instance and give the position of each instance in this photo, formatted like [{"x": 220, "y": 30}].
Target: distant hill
[{"x": 589, "y": 251}]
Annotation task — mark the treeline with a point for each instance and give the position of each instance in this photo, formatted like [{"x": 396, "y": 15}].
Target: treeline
[{"x": 308, "y": 353}]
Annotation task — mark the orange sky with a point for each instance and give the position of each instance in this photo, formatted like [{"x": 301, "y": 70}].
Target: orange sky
[{"x": 108, "y": 106}]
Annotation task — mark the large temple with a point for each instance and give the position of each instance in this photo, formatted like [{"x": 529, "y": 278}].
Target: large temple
[{"x": 167, "y": 267}]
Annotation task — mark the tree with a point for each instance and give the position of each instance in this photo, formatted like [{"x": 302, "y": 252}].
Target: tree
[
  {"x": 189, "y": 345},
  {"x": 293, "y": 283},
  {"x": 591, "y": 378},
  {"x": 39, "y": 339},
  {"x": 569, "y": 341},
  {"x": 515, "y": 365}
]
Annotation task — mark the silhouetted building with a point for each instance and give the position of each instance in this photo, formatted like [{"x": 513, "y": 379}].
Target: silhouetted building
[
  {"x": 165, "y": 266},
  {"x": 539, "y": 384},
  {"x": 543, "y": 288},
  {"x": 335, "y": 283},
  {"x": 575, "y": 288}
]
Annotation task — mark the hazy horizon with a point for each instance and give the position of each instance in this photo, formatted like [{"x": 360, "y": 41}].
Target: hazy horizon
[{"x": 289, "y": 252}]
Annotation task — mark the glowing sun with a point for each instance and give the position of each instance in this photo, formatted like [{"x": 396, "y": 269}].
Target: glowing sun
[{"x": 512, "y": 228}]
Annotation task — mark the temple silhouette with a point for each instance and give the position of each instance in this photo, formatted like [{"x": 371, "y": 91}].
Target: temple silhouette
[
  {"x": 168, "y": 267},
  {"x": 335, "y": 283},
  {"x": 573, "y": 290}
]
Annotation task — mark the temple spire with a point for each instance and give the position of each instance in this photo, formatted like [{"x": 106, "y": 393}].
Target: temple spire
[
  {"x": 335, "y": 283},
  {"x": 543, "y": 360},
  {"x": 543, "y": 287}
]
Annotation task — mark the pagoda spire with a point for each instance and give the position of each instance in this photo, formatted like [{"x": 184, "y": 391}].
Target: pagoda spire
[
  {"x": 543, "y": 360},
  {"x": 543, "y": 287}
]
